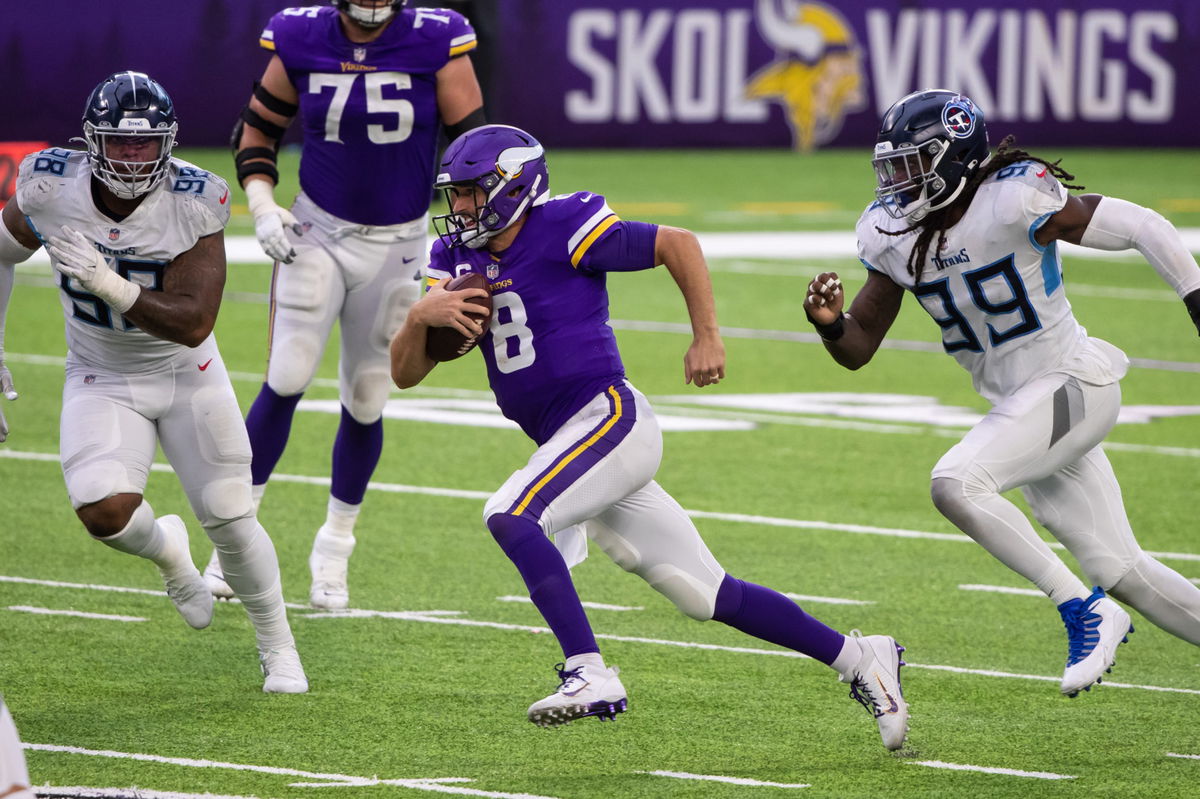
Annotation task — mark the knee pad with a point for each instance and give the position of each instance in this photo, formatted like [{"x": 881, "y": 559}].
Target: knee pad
[
  {"x": 94, "y": 481},
  {"x": 510, "y": 531},
  {"x": 365, "y": 393},
  {"x": 232, "y": 536},
  {"x": 225, "y": 500},
  {"x": 694, "y": 597},
  {"x": 293, "y": 360},
  {"x": 304, "y": 284}
]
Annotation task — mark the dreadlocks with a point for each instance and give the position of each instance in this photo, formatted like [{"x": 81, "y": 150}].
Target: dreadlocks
[{"x": 936, "y": 223}]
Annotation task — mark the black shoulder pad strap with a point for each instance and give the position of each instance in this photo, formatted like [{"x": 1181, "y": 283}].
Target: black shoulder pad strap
[{"x": 255, "y": 120}]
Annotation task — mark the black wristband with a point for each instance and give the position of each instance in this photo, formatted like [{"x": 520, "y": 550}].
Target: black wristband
[
  {"x": 832, "y": 331},
  {"x": 1192, "y": 303}
]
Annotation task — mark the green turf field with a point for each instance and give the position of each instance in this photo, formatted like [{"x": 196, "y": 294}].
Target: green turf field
[{"x": 424, "y": 687}]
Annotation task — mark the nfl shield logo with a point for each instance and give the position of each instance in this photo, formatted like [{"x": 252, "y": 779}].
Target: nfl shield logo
[
  {"x": 114, "y": 233},
  {"x": 493, "y": 271},
  {"x": 360, "y": 53},
  {"x": 89, "y": 379}
]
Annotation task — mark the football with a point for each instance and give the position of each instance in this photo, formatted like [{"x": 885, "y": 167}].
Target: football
[{"x": 446, "y": 343}]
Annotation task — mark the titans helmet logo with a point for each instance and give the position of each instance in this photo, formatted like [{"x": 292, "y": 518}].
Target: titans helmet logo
[
  {"x": 817, "y": 74},
  {"x": 958, "y": 117}
]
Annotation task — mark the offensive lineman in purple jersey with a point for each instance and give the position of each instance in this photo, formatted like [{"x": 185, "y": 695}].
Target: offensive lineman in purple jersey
[
  {"x": 371, "y": 81},
  {"x": 973, "y": 235},
  {"x": 553, "y": 365},
  {"x": 137, "y": 239}
]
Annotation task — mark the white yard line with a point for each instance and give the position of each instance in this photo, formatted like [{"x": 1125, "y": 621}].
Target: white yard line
[
  {"x": 78, "y": 613},
  {"x": 434, "y": 784},
  {"x": 1001, "y": 589},
  {"x": 1009, "y": 772},
  {"x": 593, "y": 605},
  {"x": 741, "y": 518},
  {"x": 826, "y": 600},
  {"x": 683, "y": 775},
  {"x": 1186, "y": 757},
  {"x": 83, "y": 792},
  {"x": 454, "y": 617}
]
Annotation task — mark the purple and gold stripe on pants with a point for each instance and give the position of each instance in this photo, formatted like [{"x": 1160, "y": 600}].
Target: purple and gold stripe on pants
[{"x": 580, "y": 457}]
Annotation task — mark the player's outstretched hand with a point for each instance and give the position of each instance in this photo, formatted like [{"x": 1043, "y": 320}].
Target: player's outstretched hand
[
  {"x": 824, "y": 300},
  {"x": 704, "y": 362},
  {"x": 10, "y": 393},
  {"x": 442, "y": 308},
  {"x": 269, "y": 229}
]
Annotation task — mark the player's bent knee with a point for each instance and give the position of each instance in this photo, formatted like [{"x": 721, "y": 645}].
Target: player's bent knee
[
  {"x": 367, "y": 394},
  {"x": 694, "y": 598},
  {"x": 110, "y": 515},
  {"x": 948, "y": 495},
  {"x": 224, "y": 501},
  {"x": 1114, "y": 574}
]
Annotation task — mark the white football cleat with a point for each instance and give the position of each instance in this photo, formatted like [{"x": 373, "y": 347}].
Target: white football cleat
[
  {"x": 329, "y": 563},
  {"x": 585, "y": 691},
  {"x": 215, "y": 578},
  {"x": 1096, "y": 626},
  {"x": 875, "y": 684},
  {"x": 282, "y": 671},
  {"x": 185, "y": 586}
]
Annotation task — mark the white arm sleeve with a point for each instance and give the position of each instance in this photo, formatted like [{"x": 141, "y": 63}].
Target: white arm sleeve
[{"x": 1121, "y": 225}]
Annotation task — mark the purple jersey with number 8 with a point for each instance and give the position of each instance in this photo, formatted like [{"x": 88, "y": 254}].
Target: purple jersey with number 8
[{"x": 368, "y": 110}]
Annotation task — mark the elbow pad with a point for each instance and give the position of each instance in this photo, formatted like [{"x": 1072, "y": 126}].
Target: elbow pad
[{"x": 1121, "y": 225}]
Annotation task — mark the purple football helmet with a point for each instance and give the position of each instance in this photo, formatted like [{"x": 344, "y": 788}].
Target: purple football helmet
[
  {"x": 508, "y": 165},
  {"x": 930, "y": 144}
]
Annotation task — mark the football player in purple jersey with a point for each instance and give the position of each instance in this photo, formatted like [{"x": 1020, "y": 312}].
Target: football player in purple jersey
[
  {"x": 374, "y": 84},
  {"x": 973, "y": 234},
  {"x": 553, "y": 364}
]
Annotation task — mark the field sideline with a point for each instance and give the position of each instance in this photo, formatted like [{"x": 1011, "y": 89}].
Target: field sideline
[{"x": 800, "y": 475}]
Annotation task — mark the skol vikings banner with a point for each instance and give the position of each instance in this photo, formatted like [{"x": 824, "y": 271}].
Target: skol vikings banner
[{"x": 671, "y": 73}]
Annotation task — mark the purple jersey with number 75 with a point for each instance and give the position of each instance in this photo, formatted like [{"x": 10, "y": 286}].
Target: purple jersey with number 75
[{"x": 368, "y": 110}]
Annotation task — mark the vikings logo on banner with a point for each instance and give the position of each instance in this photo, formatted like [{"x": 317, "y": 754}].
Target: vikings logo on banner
[
  {"x": 817, "y": 73},
  {"x": 959, "y": 117}
]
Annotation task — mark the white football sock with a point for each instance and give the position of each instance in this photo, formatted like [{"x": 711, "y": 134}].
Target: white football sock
[{"x": 251, "y": 569}]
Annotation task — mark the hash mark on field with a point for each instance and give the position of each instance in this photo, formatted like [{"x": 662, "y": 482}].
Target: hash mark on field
[
  {"x": 683, "y": 775},
  {"x": 1010, "y": 772},
  {"x": 827, "y": 600},
  {"x": 88, "y": 586},
  {"x": 1186, "y": 757},
  {"x": 1000, "y": 589},
  {"x": 594, "y": 605},
  {"x": 435, "y": 784},
  {"x": 81, "y": 614}
]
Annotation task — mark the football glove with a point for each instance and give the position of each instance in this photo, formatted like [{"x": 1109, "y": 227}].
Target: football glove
[
  {"x": 1192, "y": 301},
  {"x": 76, "y": 256},
  {"x": 270, "y": 220}
]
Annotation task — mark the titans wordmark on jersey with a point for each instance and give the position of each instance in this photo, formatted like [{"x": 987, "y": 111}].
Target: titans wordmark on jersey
[
  {"x": 994, "y": 290},
  {"x": 54, "y": 190}
]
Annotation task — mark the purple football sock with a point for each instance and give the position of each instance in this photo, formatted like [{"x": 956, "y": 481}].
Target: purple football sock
[
  {"x": 268, "y": 423},
  {"x": 548, "y": 579},
  {"x": 771, "y": 616},
  {"x": 355, "y": 455}
]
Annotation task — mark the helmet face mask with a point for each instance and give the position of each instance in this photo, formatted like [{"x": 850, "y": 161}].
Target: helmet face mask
[
  {"x": 129, "y": 127},
  {"x": 369, "y": 16},
  {"x": 930, "y": 145},
  {"x": 504, "y": 170}
]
